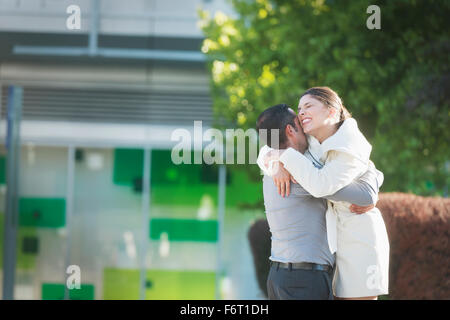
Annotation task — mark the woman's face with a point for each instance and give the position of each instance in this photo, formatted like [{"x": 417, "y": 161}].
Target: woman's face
[{"x": 313, "y": 114}]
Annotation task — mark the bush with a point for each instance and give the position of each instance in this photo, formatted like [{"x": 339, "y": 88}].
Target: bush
[{"x": 418, "y": 229}]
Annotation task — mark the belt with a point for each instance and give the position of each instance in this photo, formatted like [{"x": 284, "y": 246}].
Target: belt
[{"x": 303, "y": 266}]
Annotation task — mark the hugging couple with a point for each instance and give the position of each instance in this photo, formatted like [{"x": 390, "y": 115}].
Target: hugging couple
[{"x": 320, "y": 187}]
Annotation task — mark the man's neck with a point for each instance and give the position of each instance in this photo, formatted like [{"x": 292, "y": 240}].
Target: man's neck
[{"x": 300, "y": 149}]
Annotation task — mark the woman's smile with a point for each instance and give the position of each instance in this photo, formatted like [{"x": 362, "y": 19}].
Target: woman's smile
[{"x": 305, "y": 120}]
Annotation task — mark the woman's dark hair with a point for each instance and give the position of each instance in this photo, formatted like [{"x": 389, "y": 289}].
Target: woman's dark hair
[
  {"x": 331, "y": 99},
  {"x": 276, "y": 117}
]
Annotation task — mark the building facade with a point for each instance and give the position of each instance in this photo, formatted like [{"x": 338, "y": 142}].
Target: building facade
[{"x": 99, "y": 197}]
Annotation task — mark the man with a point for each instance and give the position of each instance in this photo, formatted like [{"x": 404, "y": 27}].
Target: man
[{"x": 302, "y": 265}]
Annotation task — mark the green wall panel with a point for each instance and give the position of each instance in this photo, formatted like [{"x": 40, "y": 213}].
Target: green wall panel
[
  {"x": 184, "y": 184},
  {"x": 184, "y": 229},
  {"x": 52, "y": 291},
  {"x": 42, "y": 212},
  {"x": 2, "y": 170},
  {"x": 86, "y": 292},
  {"x": 123, "y": 284},
  {"x": 165, "y": 172},
  {"x": 55, "y": 291},
  {"x": 180, "y": 285},
  {"x": 128, "y": 166}
]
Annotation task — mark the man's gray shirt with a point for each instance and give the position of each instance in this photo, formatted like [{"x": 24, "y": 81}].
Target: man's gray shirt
[{"x": 297, "y": 222}]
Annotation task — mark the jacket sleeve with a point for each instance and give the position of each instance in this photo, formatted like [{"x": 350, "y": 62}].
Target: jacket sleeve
[
  {"x": 337, "y": 173},
  {"x": 260, "y": 161},
  {"x": 362, "y": 191}
]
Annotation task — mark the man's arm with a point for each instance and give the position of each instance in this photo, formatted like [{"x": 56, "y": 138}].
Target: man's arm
[{"x": 363, "y": 191}]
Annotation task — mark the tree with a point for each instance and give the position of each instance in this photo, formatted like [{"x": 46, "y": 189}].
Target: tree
[{"x": 395, "y": 81}]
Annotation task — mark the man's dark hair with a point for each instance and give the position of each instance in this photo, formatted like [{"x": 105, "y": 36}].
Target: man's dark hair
[{"x": 276, "y": 117}]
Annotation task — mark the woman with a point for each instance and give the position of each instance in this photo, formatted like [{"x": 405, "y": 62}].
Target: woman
[{"x": 359, "y": 240}]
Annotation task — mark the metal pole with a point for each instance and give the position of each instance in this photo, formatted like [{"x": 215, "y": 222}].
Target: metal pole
[
  {"x": 145, "y": 221},
  {"x": 69, "y": 210},
  {"x": 1, "y": 106},
  {"x": 220, "y": 222},
  {"x": 12, "y": 192}
]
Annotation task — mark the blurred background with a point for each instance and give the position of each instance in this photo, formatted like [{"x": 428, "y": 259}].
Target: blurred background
[
  {"x": 99, "y": 106},
  {"x": 87, "y": 116}
]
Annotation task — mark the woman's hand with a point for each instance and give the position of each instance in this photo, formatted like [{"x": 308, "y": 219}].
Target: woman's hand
[{"x": 282, "y": 180}]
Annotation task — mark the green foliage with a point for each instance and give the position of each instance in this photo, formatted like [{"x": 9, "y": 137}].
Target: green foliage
[{"x": 395, "y": 81}]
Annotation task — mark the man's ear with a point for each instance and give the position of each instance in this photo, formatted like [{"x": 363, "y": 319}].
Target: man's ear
[{"x": 289, "y": 130}]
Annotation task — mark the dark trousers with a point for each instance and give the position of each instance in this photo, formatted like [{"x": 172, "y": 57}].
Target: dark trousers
[{"x": 298, "y": 284}]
